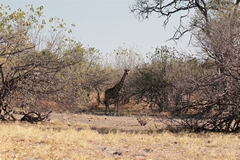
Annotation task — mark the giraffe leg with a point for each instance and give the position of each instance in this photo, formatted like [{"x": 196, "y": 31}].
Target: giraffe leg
[
  {"x": 116, "y": 107},
  {"x": 107, "y": 107}
]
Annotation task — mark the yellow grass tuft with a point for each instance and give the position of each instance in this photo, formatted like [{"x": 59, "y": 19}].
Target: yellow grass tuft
[{"x": 61, "y": 141}]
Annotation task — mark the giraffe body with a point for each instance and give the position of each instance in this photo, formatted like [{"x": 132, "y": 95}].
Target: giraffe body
[{"x": 113, "y": 93}]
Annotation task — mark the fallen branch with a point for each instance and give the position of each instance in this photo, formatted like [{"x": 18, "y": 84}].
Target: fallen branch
[{"x": 34, "y": 117}]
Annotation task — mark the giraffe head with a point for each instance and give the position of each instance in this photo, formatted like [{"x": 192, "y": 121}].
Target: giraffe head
[{"x": 126, "y": 71}]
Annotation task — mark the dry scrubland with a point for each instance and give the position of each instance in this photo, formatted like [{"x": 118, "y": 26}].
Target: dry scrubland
[{"x": 62, "y": 140}]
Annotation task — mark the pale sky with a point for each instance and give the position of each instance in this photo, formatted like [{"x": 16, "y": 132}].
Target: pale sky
[{"x": 107, "y": 24}]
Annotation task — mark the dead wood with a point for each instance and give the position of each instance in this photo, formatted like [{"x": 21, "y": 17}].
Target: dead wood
[{"x": 34, "y": 117}]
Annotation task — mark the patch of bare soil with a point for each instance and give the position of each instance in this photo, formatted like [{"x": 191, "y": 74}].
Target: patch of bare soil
[{"x": 104, "y": 123}]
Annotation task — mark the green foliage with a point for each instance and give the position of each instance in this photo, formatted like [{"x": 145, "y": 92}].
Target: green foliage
[
  {"x": 31, "y": 59},
  {"x": 152, "y": 82}
]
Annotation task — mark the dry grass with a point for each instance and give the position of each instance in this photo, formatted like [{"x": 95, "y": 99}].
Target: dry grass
[{"x": 61, "y": 141}]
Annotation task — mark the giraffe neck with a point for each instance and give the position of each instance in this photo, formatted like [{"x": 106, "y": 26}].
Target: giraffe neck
[{"x": 119, "y": 85}]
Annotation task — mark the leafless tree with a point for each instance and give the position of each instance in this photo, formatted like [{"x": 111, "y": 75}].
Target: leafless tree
[
  {"x": 209, "y": 100},
  {"x": 206, "y": 10}
]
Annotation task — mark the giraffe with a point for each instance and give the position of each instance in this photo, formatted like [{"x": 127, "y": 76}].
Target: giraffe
[{"x": 113, "y": 93}]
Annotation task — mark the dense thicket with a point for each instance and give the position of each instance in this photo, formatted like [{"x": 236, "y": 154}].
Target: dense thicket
[
  {"x": 209, "y": 99},
  {"x": 41, "y": 72}
]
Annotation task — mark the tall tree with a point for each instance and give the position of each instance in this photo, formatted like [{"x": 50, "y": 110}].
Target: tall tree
[
  {"x": 29, "y": 59},
  {"x": 210, "y": 101},
  {"x": 204, "y": 10}
]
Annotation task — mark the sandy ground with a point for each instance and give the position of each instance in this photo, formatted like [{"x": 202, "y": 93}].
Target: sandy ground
[
  {"x": 107, "y": 123},
  {"x": 101, "y": 145}
]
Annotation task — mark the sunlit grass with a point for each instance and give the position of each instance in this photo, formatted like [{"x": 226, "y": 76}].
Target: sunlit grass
[{"x": 60, "y": 141}]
